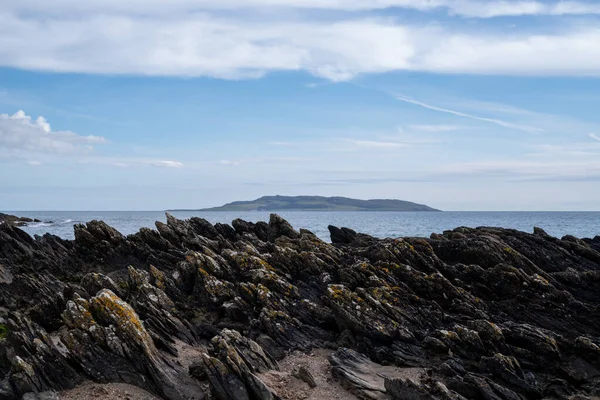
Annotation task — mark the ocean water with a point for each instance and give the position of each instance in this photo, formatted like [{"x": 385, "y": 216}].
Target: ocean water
[{"x": 378, "y": 224}]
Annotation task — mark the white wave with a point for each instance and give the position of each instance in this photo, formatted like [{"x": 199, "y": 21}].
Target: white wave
[{"x": 67, "y": 221}]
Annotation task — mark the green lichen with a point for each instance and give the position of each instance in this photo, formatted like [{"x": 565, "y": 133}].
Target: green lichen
[{"x": 3, "y": 331}]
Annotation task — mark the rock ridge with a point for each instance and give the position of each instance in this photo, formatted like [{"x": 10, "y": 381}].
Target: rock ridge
[{"x": 193, "y": 310}]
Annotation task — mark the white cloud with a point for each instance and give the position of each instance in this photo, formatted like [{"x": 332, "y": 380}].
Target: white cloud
[
  {"x": 166, "y": 164},
  {"x": 186, "y": 43},
  {"x": 595, "y": 137},
  {"x": 263, "y": 161},
  {"x": 467, "y": 8},
  {"x": 128, "y": 162},
  {"x": 505, "y": 8},
  {"x": 32, "y": 142},
  {"x": 21, "y": 134}
]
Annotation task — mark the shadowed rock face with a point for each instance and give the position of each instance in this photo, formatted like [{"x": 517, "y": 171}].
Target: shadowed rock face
[{"x": 487, "y": 313}]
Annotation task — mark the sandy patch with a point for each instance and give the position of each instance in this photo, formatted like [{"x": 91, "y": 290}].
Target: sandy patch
[
  {"x": 97, "y": 391},
  {"x": 289, "y": 387}
]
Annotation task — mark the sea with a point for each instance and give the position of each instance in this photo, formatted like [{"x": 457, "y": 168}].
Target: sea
[{"x": 378, "y": 224}]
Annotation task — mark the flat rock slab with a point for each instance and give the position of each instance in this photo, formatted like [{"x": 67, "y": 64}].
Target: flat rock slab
[{"x": 366, "y": 378}]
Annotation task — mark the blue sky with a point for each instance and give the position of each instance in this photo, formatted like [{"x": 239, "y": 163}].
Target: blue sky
[{"x": 142, "y": 105}]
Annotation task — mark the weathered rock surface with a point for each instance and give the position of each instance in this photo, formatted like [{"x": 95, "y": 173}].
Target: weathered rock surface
[{"x": 484, "y": 313}]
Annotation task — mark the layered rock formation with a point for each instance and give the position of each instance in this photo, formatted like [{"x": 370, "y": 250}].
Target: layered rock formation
[{"x": 193, "y": 310}]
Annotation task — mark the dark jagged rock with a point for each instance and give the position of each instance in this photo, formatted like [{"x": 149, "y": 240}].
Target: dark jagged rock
[
  {"x": 280, "y": 227},
  {"x": 484, "y": 313},
  {"x": 16, "y": 221},
  {"x": 232, "y": 369}
]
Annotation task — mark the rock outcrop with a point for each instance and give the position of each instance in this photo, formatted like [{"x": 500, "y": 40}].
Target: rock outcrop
[
  {"x": 14, "y": 220},
  {"x": 484, "y": 313}
]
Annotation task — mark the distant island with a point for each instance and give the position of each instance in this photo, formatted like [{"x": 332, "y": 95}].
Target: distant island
[{"x": 318, "y": 203}]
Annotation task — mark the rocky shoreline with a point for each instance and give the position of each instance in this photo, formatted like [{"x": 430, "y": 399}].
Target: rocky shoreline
[
  {"x": 14, "y": 220},
  {"x": 193, "y": 310}
]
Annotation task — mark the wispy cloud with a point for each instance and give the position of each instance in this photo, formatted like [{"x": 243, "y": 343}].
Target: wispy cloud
[
  {"x": 166, "y": 164},
  {"x": 285, "y": 144},
  {"x": 378, "y": 144},
  {"x": 129, "y": 162},
  {"x": 435, "y": 128},
  {"x": 260, "y": 161},
  {"x": 506, "y": 124},
  {"x": 595, "y": 137}
]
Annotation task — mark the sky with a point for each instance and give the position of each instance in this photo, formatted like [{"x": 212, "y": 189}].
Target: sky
[{"x": 152, "y": 105}]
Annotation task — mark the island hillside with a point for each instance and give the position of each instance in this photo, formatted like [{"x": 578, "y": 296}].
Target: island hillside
[{"x": 319, "y": 203}]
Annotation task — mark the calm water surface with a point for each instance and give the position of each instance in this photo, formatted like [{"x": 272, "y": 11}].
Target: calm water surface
[{"x": 379, "y": 224}]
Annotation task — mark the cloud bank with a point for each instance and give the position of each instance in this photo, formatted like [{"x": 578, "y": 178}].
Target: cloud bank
[
  {"x": 464, "y": 8},
  {"x": 208, "y": 38}
]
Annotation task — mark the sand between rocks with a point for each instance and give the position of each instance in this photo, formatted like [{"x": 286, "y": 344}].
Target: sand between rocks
[
  {"x": 289, "y": 387},
  {"x": 116, "y": 391}
]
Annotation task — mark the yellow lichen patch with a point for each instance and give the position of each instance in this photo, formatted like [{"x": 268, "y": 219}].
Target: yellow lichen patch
[
  {"x": 348, "y": 299},
  {"x": 449, "y": 334},
  {"x": 203, "y": 261},
  {"x": 510, "y": 362},
  {"x": 20, "y": 365},
  {"x": 158, "y": 277},
  {"x": 77, "y": 315},
  {"x": 496, "y": 329},
  {"x": 540, "y": 280},
  {"x": 110, "y": 308},
  {"x": 247, "y": 262},
  {"x": 274, "y": 282},
  {"x": 263, "y": 293},
  {"x": 552, "y": 342},
  {"x": 217, "y": 288},
  {"x": 336, "y": 291},
  {"x": 247, "y": 290}
]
